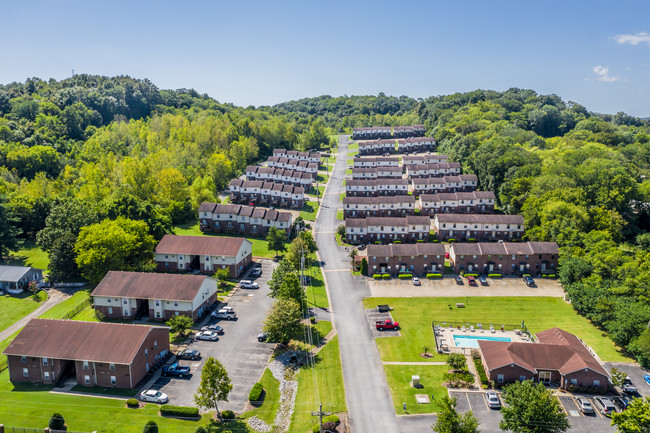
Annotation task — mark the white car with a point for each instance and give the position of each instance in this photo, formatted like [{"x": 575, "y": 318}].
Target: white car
[
  {"x": 154, "y": 396},
  {"x": 416, "y": 281},
  {"x": 207, "y": 335},
  {"x": 224, "y": 313},
  {"x": 247, "y": 284},
  {"x": 493, "y": 399}
]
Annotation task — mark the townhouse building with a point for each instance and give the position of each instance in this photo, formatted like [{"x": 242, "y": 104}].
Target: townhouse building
[
  {"x": 241, "y": 219},
  {"x": 417, "y": 144},
  {"x": 112, "y": 355},
  {"x": 462, "y": 227},
  {"x": 416, "y": 259},
  {"x": 204, "y": 253},
  {"x": 376, "y": 187},
  {"x": 376, "y": 147},
  {"x": 262, "y": 193},
  {"x": 293, "y": 164},
  {"x": 425, "y": 158},
  {"x": 476, "y": 202},
  {"x": 386, "y": 206},
  {"x": 439, "y": 169},
  {"x": 372, "y": 133},
  {"x": 386, "y": 230},
  {"x": 381, "y": 172},
  {"x": 506, "y": 258},
  {"x": 436, "y": 185},
  {"x": 371, "y": 161},
  {"x": 280, "y": 175},
  {"x": 301, "y": 156}
]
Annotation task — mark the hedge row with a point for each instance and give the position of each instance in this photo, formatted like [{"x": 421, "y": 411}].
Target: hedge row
[
  {"x": 386, "y": 276},
  {"x": 494, "y": 275},
  {"x": 256, "y": 392},
  {"x": 431, "y": 276},
  {"x": 471, "y": 275},
  {"x": 481, "y": 373},
  {"x": 548, "y": 275},
  {"x": 332, "y": 418},
  {"x": 132, "y": 402},
  {"x": 376, "y": 276},
  {"x": 180, "y": 411},
  {"x": 405, "y": 276}
]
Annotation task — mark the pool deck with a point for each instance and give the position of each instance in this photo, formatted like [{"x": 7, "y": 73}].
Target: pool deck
[{"x": 445, "y": 336}]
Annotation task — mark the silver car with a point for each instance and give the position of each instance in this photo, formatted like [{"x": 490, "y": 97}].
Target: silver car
[
  {"x": 492, "y": 399},
  {"x": 207, "y": 335},
  {"x": 585, "y": 405},
  {"x": 154, "y": 396}
]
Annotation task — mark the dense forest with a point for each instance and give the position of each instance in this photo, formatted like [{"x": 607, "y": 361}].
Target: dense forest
[{"x": 90, "y": 155}]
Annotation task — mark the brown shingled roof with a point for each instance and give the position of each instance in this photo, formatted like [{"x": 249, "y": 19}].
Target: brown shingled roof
[
  {"x": 207, "y": 206},
  {"x": 81, "y": 341},
  {"x": 200, "y": 245},
  {"x": 143, "y": 285},
  {"x": 482, "y": 218}
]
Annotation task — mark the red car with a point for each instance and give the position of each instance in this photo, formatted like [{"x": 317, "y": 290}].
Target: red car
[
  {"x": 446, "y": 255},
  {"x": 471, "y": 281}
]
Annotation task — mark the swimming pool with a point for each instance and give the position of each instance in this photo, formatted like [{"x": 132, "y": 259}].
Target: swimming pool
[{"x": 472, "y": 340}]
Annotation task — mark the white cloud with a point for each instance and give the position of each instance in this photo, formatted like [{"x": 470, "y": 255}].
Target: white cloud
[
  {"x": 602, "y": 74},
  {"x": 639, "y": 38}
]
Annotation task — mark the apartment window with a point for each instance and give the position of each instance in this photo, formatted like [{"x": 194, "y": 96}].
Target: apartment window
[
  {"x": 23, "y": 359},
  {"x": 109, "y": 300},
  {"x": 113, "y": 380},
  {"x": 513, "y": 257},
  {"x": 126, "y": 302},
  {"x": 207, "y": 259},
  {"x": 87, "y": 380},
  {"x": 166, "y": 256},
  {"x": 157, "y": 314},
  {"x": 46, "y": 375},
  {"x": 155, "y": 344},
  {"x": 175, "y": 304},
  {"x": 500, "y": 378},
  {"x": 157, "y": 303},
  {"x": 44, "y": 362},
  {"x": 180, "y": 257},
  {"x": 25, "y": 372},
  {"x": 85, "y": 365},
  {"x": 110, "y": 310},
  {"x": 462, "y": 257},
  {"x": 574, "y": 381},
  {"x": 176, "y": 313},
  {"x": 596, "y": 383},
  {"x": 166, "y": 264},
  {"x": 522, "y": 378}
]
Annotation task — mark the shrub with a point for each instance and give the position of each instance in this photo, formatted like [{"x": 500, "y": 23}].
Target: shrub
[
  {"x": 481, "y": 371},
  {"x": 451, "y": 240},
  {"x": 228, "y": 414},
  {"x": 56, "y": 421},
  {"x": 419, "y": 241},
  {"x": 471, "y": 240},
  {"x": 40, "y": 296},
  {"x": 179, "y": 411},
  {"x": 132, "y": 402},
  {"x": 551, "y": 275},
  {"x": 200, "y": 429},
  {"x": 312, "y": 319},
  {"x": 405, "y": 276},
  {"x": 386, "y": 276},
  {"x": 434, "y": 275},
  {"x": 525, "y": 275},
  {"x": 377, "y": 242},
  {"x": 332, "y": 418},
  {"x": 376, "y": 276},
  {"x": 150, "y": 427},
  {"x": 327, "y": 426},
  {"x": 494, "y": 275},
  {"x": 471, "y": 275},
  {"x": 364, "y": 266},
  {"x": 256, "y": 391},
  {"x": 435, "y": 241},
  {"x": 397, "y": 242}
]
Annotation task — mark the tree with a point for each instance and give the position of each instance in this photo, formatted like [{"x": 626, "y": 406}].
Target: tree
[
  {"x": 222, "y": 276},
  {"x": 634, "y": 419},
  {"x": 214, "y": 387},
  {"x": 57, "y": 422},
  {"x": 179, "y": 324},
  {"x": 450, "y": 421},
  {"x": 290, "y": 288},
  {"x": 8, "y": 230},
  {"x": 282, "y": 322},
  {"x": 340, "y": 230},
  {"x": 133, "y": 208},
  {"x": 353, "y": 255},
  {"x": 298, "y": 249},
  {"x": 150, "y": 427},
  {"x": 531, "y": 408},
  {"x": 284, "y": 268},
  {"x": 618, "y": 377},
  {"x": 640, "y": 347},
  {"x": 308, "y": 238},
  {"x": 114, "y": 245},
  {"x": 276, "y": 239},
  {"x": 457, "y": 361},
  {"x": 364, "y": 266}
]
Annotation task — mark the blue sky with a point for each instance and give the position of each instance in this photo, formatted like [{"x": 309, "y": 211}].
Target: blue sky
[{"x": 259, "y": 52}]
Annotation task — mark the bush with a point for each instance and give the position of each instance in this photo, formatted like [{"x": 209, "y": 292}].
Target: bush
[
  {"x": 179, "y": 411},
  {"x": 494, "y": 275},
  {"x": 419, "y": 241},
  {"x": 376, "y": 276},
  {"x": 435, "y": 241},
  {"x": 132, "y": 402},
  {"x": 40, "y": 296},
  {"x": 200, "y": 429},
  {"x": 481, "y": 371},
  {"x": 551, "y": 275},
  {"x": 434, "y": 275},
  {"x": 256, "y": 391},
  {"x": 228, "y": 414},
  {"x": 525, "y": 275},
  {"x": 312, "y": 319},
  {"x": 386, "y": 276},
  {"x": 377, "y": 242},
  {"x": 56, "y": 421},
  {"x": 397, "y": 242},
  {"x": 451, "y": 240},
  {"x": 150, "y": 427},
  {"x": 405, "y": 276},
  {"x": 471, "y": 240},
  {"x": 332, "y": 418},
  {"x": 327, "y": 425},
  {"x": 471, "y": 275}
]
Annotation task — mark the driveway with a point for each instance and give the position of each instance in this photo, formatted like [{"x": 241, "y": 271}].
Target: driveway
[
  {"x": 447, "y": 287},
  {"x": 635, "y": 372},
  {"x": 238, "y": 349}
]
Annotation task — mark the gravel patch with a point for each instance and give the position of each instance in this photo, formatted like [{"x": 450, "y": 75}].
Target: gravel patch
[
  {"x": 258, "y": 425},
  {"x": 284, "y": 368}
]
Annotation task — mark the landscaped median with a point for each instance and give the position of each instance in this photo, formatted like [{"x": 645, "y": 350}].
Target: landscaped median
[{"x": 260, "y": 245}]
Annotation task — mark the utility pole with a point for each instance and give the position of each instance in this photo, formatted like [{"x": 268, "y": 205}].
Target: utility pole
[{"x": 320, "y": 415}]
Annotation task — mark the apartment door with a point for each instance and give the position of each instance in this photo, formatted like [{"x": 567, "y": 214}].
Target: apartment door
[{"x": 545, "y": 377}]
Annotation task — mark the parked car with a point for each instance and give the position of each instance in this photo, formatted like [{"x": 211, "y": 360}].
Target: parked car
[
  {"x": 446, "y": 255},
  {"x": 224, "y": 314},
  {"x": 605, "y": 405},
  {"x": 416, "y": 281},
  {"x": 647, "y": 378},
  {"x": 189, "y": 354},
  {"x": 207, "y": 336},
  {"x": 251, "y": 203},
  {"x": 620, "y": 403},
  {"x": 154, "y": 396},
  {"x": 262, "y": 336},
  {"x": 629, "y": 388},
  {"x": 175, "y": 370},
  {"x": 483, "y": 281},
  {"x": 383, "y": 308},
  {"x": 471, "y": 281},
  {"x": 257, "y": 271},
  {"x": 530, "y": 282},
  {"x": 386, "y": 324},
  {"x": 585, "y": 405},
  {"x": 493, "y": 399},
  {"x": 216, "y": 328},
  {"x": 459, "y": 280},
  {"x": 248, "y": 284}
]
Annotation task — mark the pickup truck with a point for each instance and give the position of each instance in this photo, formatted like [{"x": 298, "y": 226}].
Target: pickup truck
[
  {"x": 175, "y": 370},
  {"x": 386, "y": 324}
]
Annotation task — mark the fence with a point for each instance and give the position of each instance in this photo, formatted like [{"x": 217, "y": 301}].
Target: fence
[
  {"x": 8, "y": 429},
  {"x": 3, "y": 365},
  {"x": 466, "y": 325},
  {"x": 70, "y": 314}
]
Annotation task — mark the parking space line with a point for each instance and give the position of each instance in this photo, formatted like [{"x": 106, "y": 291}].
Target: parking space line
[
  {"x": 485, "y": 401},
  {"x": 468, "y": 402}
]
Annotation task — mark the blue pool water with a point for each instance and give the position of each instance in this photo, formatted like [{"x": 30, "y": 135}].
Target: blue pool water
[{"x": 472, "y": 340}]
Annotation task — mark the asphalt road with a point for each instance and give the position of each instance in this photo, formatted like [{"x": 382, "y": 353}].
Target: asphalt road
[
  {"x": 368, "y": 397},
  {"x": 238, "y": 349}
]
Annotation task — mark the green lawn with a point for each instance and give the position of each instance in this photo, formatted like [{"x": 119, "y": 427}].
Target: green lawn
[
  {"x": 323, "y": 178},
  {"x": 342, "y": 196},
  {"x": 350, "y": 161},
  {"x": 339, "y": 214},
  {"x": 308, "y": 212},
  {"x": 271, "y": 402},
  {"x": 30, "y": 255},
  {"x": 81, "y": 413},
  {"x": 260, "y": 246},
  {"x": 399, "y": 378},
  {"x": 354, "y": 145},
  {"x": 86, "y": 315},
  {"x": 15, "y": 307},
  {"x": 316, "y": 293},
  {"x": 323, "y": 382},
  {"x": 415, "y": 316},
  {"x": 348, "y": 171},
  {"x": 63, "y": 308},
  {"x": 340, "y": 242}
]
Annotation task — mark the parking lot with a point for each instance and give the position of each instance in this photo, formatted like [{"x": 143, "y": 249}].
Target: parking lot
[
  {"x": 238, "y": 349},
  {"x": 490, "y": 418},
  {"x": 373, "y": 316}
]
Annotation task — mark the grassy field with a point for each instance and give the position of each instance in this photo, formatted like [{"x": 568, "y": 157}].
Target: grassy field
[
  {"x": 15, "y": 307},
  {"x": 30, "y": 255},
  {"x": 308, "y": 212},
  {"x": 339, "y": 214},
  {"x": 399, "y": 378},
  {"x": 60, "y": 310},
  {"x": 354, "y": 145},
  {"x": 316, "y": 293},
  {"x": 342, "y": 196},
  {"x": 323, "y": 178},
  {"x": 322, "y": 382},
  {"x": 350, "y": 161},
  {"x": 415, "y": 316},
  {"x": 260, "y": 246},
  {"x": 271, "y": 402},
  {"x": 81, "y": 413},
  {"x": 348, "y": 171}
]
